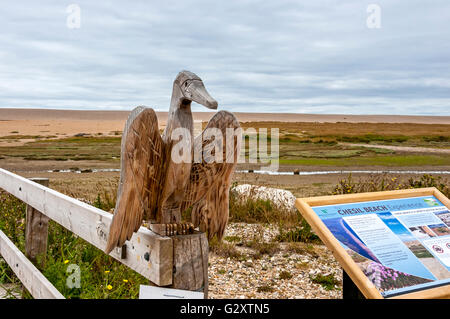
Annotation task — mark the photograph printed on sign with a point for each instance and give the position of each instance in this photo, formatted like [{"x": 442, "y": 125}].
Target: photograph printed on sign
[{"x": 401, "y": 245}]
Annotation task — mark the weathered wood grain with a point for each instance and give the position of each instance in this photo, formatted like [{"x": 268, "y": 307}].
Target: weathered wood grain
[
  {"x": 149, "y": 254},
  {"x": 358, "y": 277},
  {"x": 139, "y": 188},
  {"x": 366, "y": 287},
  {"x": 160, "y": 175},
  {"x": 190, "y": 262},
  {"x": 204, "y": 248},
  {"x": 36, "y": 231},
  {"x": 33, "y": 280},
  {"x": 209, "y": 182}
]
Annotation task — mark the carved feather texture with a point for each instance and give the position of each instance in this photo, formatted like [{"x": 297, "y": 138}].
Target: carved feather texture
[
  {"x": 144, "y": 159},
  {"x": 142, "y": 156},
  {"x": 207, "y": 191}
]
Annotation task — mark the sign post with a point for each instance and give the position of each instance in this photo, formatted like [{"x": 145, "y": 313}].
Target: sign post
[
  {"x": 349, "y": 289},
  {"x": 392, "y": 244}
]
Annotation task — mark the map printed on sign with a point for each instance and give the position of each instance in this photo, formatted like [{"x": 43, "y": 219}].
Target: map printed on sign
[{"x": 401, "y": 245}]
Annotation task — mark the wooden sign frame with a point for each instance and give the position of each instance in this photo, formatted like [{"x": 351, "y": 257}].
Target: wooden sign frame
[{"x": 367, "y": 288}]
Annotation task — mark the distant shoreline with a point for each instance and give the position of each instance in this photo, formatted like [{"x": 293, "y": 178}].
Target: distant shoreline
[{"x": 14, "y": 114}]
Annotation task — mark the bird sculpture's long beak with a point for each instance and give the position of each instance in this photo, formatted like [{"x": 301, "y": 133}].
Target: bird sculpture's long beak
[{"x": 196, "y": 92}]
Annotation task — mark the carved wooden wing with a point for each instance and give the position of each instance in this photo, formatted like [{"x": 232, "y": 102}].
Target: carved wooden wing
[
  {"x": 142, "y": 156},
  {"x": 207, "y": 191}
]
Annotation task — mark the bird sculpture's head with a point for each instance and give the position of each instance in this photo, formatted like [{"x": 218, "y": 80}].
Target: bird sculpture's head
[{"x": 189, "y": 87}]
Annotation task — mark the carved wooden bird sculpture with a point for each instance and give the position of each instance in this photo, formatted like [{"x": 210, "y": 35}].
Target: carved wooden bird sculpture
[{"x": 156, "y": 188}]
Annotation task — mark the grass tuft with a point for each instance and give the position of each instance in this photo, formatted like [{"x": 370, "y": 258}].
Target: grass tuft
[
  {"x": 386, "y": 182},
  {"x": 97, "y": 270},
  {"x": 328, "y": 282},
  {"x": 265, "y": 288},
  {"x": 302, "y": 233},
  {"x": 224, "y": 249},
  {"x": 285, "y": 275}
]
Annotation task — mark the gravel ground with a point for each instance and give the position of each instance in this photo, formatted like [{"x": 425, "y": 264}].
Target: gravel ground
[{"x": 250, "y": 277}]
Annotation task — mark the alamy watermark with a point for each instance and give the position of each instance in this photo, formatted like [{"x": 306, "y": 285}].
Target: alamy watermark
[
  {"x": 74, "y": 278},
  {"x": 73, "y": 20},
  {"x": 374, "y": 18},
  {"x": 216, "y": 146}
]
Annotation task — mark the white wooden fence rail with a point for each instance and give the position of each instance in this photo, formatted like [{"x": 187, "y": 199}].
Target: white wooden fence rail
[
  {"x": 29, "y": 275},
  {"x": 146, "y": 253}
]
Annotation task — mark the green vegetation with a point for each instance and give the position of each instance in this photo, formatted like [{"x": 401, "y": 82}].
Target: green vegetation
[
  {"x": 302, "y": 249},
  {"x": 376, "y": 183},
  {"x": 261, "y": 248},
  {"x": 407, "y": 134},
  {"x": 420, "y": 252},
  {"x": 285, "y": 275},
  {"x": 106, "y": 202},
  {"x": 438, "y": 139},
  {"x": 233, "y": 239},
  {"x": 389, "y": 161},
  {"x": 328, "y": 150},
  {"x": 221, "y": 271},
  {"x": 328, "y": 282},
  {"x": 101, "y": 275},
  {"x": 292, "y": 227},
  {"x": 73, "y": 148},
  {"x": 306, "y": 148},
  {"x": 300, "y": 233},
  {"x": 259, "y": 211},
  {"x": 431, "y": 181},
  {"x": 330, "y": 144},
  {"x": 315, "y": 144},
  {"x": 22, "y": 137},
  {"x": 265, "y": 288},
  {"x": 369, "y": 138},
  {"x": 322, "y": 153},
  {"x": 227, "y": 250}
]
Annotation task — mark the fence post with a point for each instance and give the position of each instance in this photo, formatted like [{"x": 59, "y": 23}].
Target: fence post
[
  {"x": 190, "y": 262},
  {"x": 36, "y": 231}
]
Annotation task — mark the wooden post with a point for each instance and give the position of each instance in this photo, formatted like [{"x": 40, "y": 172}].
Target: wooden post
[
  {"x": 190, "y": 260},
  {"x": 36, "y": 232},
  {"x": 349, "y": 289}
]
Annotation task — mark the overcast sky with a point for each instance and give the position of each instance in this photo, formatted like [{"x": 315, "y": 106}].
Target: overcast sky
[{"x": 253, "y": 56}]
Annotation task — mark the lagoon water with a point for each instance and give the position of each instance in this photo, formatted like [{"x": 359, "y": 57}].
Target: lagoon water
[
  {"x": 96, "y": 170},
  {"x": 342, "y": 172}
]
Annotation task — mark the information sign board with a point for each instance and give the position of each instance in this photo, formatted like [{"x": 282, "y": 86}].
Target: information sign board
[{"x": 392, "y": 244}]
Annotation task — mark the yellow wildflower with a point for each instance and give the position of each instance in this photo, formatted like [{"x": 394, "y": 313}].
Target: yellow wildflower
[
  {"x": 125, "y": 280},
  {"x": 66, "y": 261},
  {"x": 109, "y": 287},
  {"x": 107, "y": 271}
]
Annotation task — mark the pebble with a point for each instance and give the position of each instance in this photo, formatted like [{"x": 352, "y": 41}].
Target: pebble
[
  {"x": 260, "y": 278},
  {"x": 279, "y": 197}
]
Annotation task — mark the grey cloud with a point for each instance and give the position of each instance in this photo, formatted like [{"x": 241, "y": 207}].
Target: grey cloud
[{"x": 277, "y": 56}]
